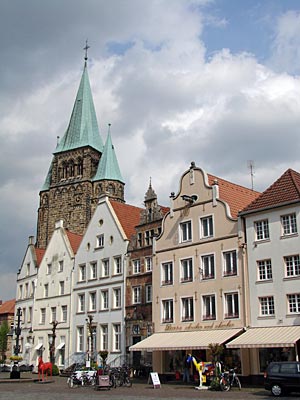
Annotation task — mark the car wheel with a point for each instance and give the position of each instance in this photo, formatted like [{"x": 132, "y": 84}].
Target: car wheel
[{"x": 276, "y": 390}]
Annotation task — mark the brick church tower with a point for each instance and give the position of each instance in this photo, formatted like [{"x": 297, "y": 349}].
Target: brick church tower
[{"x": 82, "y": 169}]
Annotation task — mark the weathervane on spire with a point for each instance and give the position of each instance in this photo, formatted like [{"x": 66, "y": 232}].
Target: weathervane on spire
[{"x": 86, "y": 50}]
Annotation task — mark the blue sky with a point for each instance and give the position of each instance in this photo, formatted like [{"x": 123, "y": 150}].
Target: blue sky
[{"x": 211, "y": 81}]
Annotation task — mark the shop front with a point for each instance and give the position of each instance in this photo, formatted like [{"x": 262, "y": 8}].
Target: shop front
[
  {"x": 169, "y": 349},
  {"x": 260, "y": 346}
]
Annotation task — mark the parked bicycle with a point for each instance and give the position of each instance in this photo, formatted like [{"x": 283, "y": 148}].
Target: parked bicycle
[
  {"x": 229, "y": 379},
  {"x": 120, "y": 376},
  {"x": 82, "y": 378}
]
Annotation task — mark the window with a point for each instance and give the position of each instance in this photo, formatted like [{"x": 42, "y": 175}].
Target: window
[
  {"x": 100, "y": 241},
  {"x": 80, "y": 339},
  {"x": 187, "y": 270},
  {"x": 167, "y": 311},
  {"x": 140, "y": 239},
  {"x": 262, "y": 229},
  {"x": 293, "y": 303},
  {"x": 42, "y": 316},
  {"x": 231, "y": 305},
  {"x": 53, "y": 314},
  {"x": 116, "y": 337},
  {"x": 46, "y": 290},
  {"x": 206, "y": 226},
  {"x": 82, "y": 273},
  {"x": 136, "y": 266},
  {"x": 289, "y": 224},
  {"x": 81, "y": 303},
  {"x": 29, "y": 315},
  {"x": 209, "y": 307},
  {"x": 32, "y": 289},
  {"x": 149, "y": 237},
  {"x": 93, "y": 270},
  {"x": 167, "y": 273},
  {"x": 104, "y": 337},
  {"x": 117, "y": 265},
  {"x": 148, "y": 263},
  {"x": 187, "y": 309},
  {"x": 267, "y": 306},
  {"x": 104, "y": 299},
  {"x": 61, "y": 287},
  {"x": 105, "y": 267},
  {"x": 93, "y": 301},
  {"x": 136, "y": 294},
  {"x": 60, "y": 266},
  {"x": 28, "y": 269},
  {"x": 186, "y": 231},
  {"x": 292, "y": 264},
  {"x": 230, "y": 263},
  {"x": 208, "y": 266},
  {"x": 117, "y": 298},
  {"x": 148, "y": 289},
  {"x": 49, "y": 268},
  {"x": 264, "y": 270},
  {"x": 20, "y": 291},
  {"x": 26, "y": 290},
  {"x": 64, "y": 313}
]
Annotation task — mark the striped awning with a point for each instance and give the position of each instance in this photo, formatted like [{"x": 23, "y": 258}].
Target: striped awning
[
  {"x": 184, "y": 340},
  {"x": 279, "y": 336}
]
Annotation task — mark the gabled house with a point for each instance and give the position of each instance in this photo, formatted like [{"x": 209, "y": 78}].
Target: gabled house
[
  {"x": 272, "y": 225},
  {"x": 25, "y": 297},
  {"x": 52, "y": 307},
  {"x": 199, "y": 272},
  {"x": 99, "y": 283},
  {"x": 7, "y": 312}
]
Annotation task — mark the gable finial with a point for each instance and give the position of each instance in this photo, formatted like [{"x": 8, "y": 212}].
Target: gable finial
[{"x": 86, "y": 50}]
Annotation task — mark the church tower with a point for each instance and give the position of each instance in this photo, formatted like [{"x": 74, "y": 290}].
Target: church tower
[{"x": 82, "y": 169}]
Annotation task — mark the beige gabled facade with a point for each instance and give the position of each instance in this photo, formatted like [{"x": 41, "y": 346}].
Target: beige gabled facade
[{"x": 199, "y": 272}]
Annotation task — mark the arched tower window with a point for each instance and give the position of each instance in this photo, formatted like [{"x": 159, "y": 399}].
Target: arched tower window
[
  {"x": 64, "y": 170},
  {"x": 71, "y": 168},
  {"x": 79, "y": 166},
  {"x": 111, "y": 189}
]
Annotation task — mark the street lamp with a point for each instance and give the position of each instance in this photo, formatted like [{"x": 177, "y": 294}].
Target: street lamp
[
  {"x": 52, "y": 342},
  {"x": 90, "y": 341},
  {"x": 18, "y": 330}
]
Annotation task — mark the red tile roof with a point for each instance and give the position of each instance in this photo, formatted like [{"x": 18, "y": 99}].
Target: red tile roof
[
  {"x": 236, "y": 196},
  {"x": 39, "y": 255},
  {"x": 129, "y": 216},
  {"x": 283, "y": 191},
  {"x": 8, "y": 307},
  {"x": 74, "y": 240}
]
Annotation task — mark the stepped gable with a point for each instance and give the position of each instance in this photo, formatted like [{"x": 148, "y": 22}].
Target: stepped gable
[
  {"x": 74, "y": 240},
  {"x": 284, "y": 190},
  {"x": 236, "y": 196},
  {"x": 129, "y": 216}
]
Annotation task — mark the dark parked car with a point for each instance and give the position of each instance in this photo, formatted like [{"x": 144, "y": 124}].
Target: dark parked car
[{"x": 283, "y": 377}]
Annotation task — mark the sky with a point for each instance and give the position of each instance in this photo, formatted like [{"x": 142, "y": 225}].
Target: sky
[{"x": 211, "y": 81}]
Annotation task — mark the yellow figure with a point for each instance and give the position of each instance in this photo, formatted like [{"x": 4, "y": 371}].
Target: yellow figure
[{"x": 199, "y": 367}]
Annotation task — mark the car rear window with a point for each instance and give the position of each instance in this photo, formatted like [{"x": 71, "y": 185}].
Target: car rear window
[
  {"x": 274, "y": 368},
  {"x": 288, "y": 368}
]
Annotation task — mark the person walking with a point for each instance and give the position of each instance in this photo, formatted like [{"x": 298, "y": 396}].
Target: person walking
[{"x": 186, "y": 368}]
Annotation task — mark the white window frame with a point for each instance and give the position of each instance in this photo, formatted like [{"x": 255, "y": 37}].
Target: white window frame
[
  {"x": 230, "y": 262},
  {"x": 289, "y": 224},
  {"x": 167, "y": 311},
  {"x": 185, "y": 231},
  {"x": 80, "y": 338},
  {"x": 167, "y": 273},
  {"x": 136, "y": 266},
  {"x": 206, "y": 227},
  {"x": 264, "y": 270},
  {"x": 64, "y": 313},
  {"x": 42, "y": 316},
  {"x": 148, "y": 293},
  {"x": 117, "y": 299},
  {"x": 148, "y": 264},
  {"x": 117, "y": 265},
  {"x": 267, "y": 306},
  {"x": 262, "y": 231},
  {"x": 46, "y": 290},
  {"x": 105, "y": 267},
  {"x": 292, "y": 265},
  {"x": 232, "y": 306},
  {"x": 61, "y": 288},
  {"x": 293, "y": 301},
  {"x": 100, "y": 241},
  {"x": 186, "y": 270},
  {"x": 81, "y": 303},
  {"x": 93, "y": 270},
  {"x": 209, "y": 309},
  {"x": 60, "y": 266},
  {"x": 208, "y": 266},
  {"x": 117, "y": 337},
  {"x": 53, "y": 314},
  {"x": 187, "y": 309},
  {"x": 82, "y": 273},
  {"x": 136, "y": 294},
  {"x": 104, "y": 300},
  {"x": 92, "y": 301},
  {"x": 104, "y": 337}
]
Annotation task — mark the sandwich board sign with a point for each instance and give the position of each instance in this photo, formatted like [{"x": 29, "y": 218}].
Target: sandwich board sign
[{"x": 155, "y": 380}]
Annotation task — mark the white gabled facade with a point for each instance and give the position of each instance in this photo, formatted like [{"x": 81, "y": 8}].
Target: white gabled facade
[
  {"x": 53, "y": 299},
  {"x": 98, "y": 292},
  {"x": 26, "y": 285}
]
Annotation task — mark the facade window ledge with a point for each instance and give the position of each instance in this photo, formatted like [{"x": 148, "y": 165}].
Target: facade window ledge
[
  {"x": 167, "y": 321},
  {"x": 256, "y": 242},
  {"x": 231, "y": 316},
  {"x": 116, "y": 308},
  {"x": 92, "y": 311},
  {"x": 207, "y": 277},
  {"x": 290, "y": 278},
  {"x": 186, "y": 280},
  {"x": 292, "y": 235},
  {"x": 228, "y": 274},
  {"x": 104, "y": 277},
  {"x": 92, "y": 279},
  {"x": 166, "y": 283},
  {"x": 115, "y": 352},
  {"x": 261, "y": 317},
  {"x": 80, "y": 312},
  {"x": 209, "y": 318},
  {"x": 188, "y": 319},
  {"x": 264, "y": 281},
  {"x": 293, "y": 315},
  {"x": 104, "y": 310},
  {"x": 99, "y": 247}
]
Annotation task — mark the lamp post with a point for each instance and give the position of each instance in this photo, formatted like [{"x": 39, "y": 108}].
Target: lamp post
[
  {"x": 52, "y": 342},
  {"x": 18, "y": 332}
]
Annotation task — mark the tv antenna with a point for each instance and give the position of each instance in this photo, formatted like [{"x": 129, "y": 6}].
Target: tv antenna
[{"x": 251, "y": 168}]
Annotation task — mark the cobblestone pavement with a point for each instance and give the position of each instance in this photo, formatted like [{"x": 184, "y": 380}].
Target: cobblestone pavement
[{"x": 28, "y": 389}]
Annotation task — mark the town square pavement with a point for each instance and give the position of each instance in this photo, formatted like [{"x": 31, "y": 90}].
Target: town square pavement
[{"x": 28, "y": 388}]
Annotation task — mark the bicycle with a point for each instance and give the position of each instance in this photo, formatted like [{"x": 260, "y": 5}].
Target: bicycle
[{"x": 229, "y": 379}]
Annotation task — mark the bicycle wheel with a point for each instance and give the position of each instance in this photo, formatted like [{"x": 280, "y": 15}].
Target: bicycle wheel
[
  {"x": 224, "y": 384},
  {"x": 237, "y": 383},
  {"x": 127, "y": 382},
  {"x": 70, "y": 382}
]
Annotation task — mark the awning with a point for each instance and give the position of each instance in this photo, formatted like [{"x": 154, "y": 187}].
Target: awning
[
  {"x": 184, "y": 340},
  {"x": 39, "y": 346},
  {"x": 281, "y": 336},
  {"x": 60, "y": 346}
]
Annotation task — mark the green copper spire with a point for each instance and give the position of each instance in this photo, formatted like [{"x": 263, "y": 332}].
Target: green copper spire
[
  {"x": 47, "y": 182},
  {"x": 108, "y": 168},
  {"x": 83, "y": 127}
]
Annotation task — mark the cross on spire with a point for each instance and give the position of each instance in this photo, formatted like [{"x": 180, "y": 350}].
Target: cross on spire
[{"x": 86, "y": 50}]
